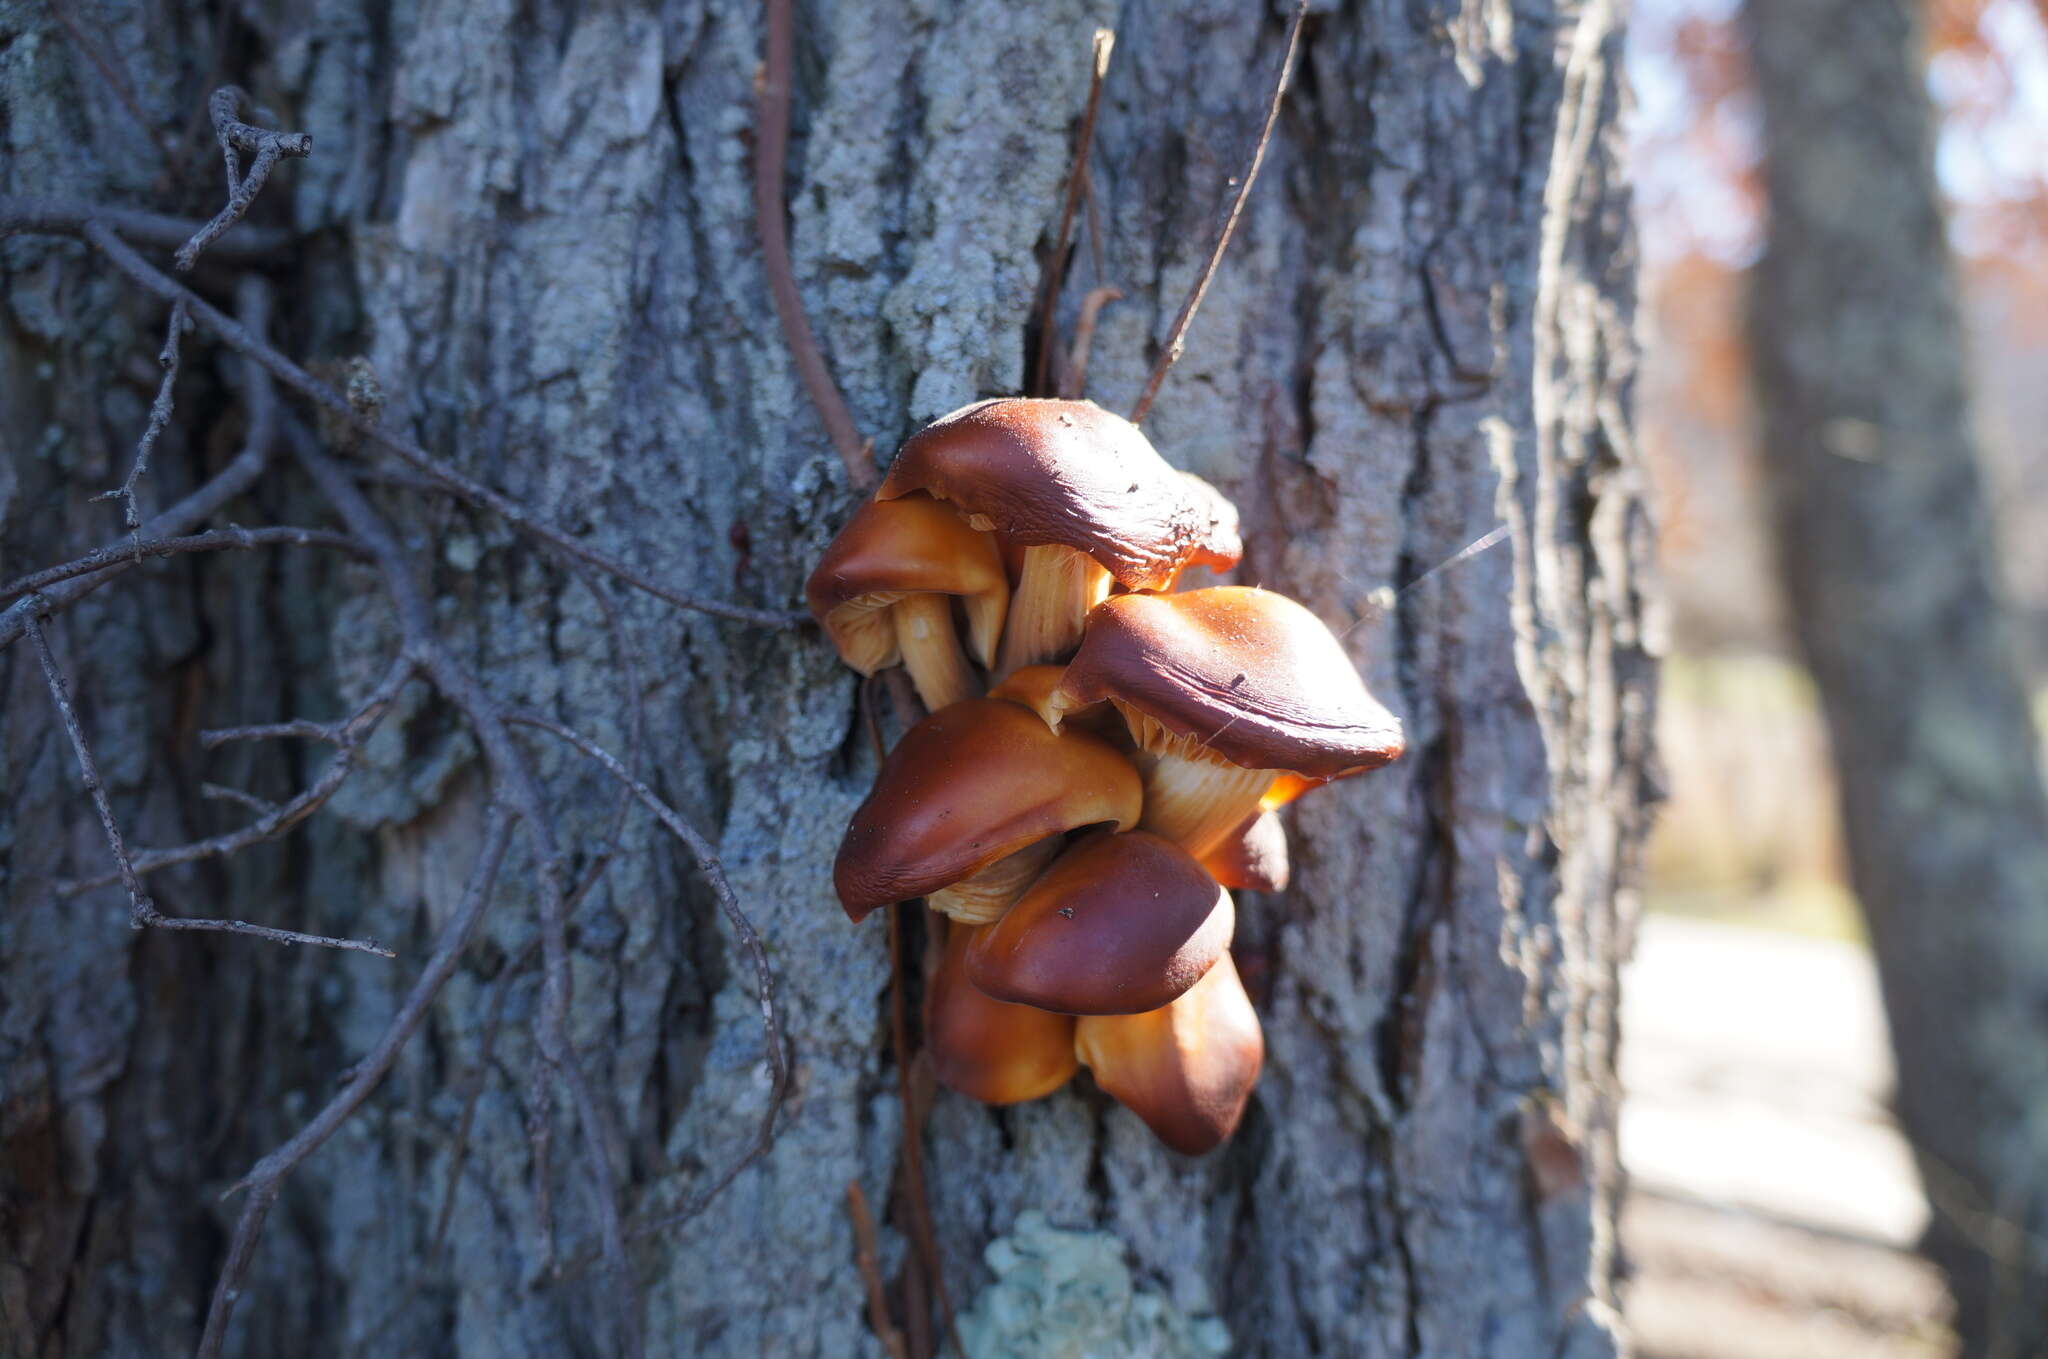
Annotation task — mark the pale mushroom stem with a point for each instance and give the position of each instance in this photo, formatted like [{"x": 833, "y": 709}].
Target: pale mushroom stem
[
  {"x": 1055, "y": 591},
  {"x": 1197, "y": 802},
  {"x": 981, "y": 898},
  {"x": 931, "y": 650}
]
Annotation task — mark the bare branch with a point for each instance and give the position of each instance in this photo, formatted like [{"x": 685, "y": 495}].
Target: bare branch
[
  {"x": 266, "y": 1178},
  {"x": 474, "y": 493},
  {"x": 220, "y": 792},
  {"x": 1075, "y": 380},
  {"x": 771, "y": 148},
  {"x": 274, "y": 935},
  {"x": 1177, "y": 337},
  {"x": 116, "y": 559},
  {"x": 1077, "y": 175},
  {"x": 867, "y": 1257},
  {"x": 69, "y": 217},
  {"x": 267, "y": 147},
  {"x": 159, "y": 417}
]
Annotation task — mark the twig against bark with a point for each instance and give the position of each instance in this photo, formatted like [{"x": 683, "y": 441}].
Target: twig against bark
[
  {"x": 923, "y": 1234},
  {"x": 471, "y": 492},
  {"x": 237, "y": 137},
  {"x": 1075, "y": 380},
  {"x": 771, "y": 150},
  {"x": 115, "y": 560},
  {"x": 1077, "y": 175},
  {"x": 159, "y": 417},
  {"x": 68, "y": 217},
  {"x": 867, "y": 1257},
  {"x": 266, "y": 1178},
  {"x": 1176, "y": 338},
  {"x": 347, "y": 738}
]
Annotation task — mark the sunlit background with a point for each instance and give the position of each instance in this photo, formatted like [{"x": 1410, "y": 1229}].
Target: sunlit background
[{"x": 1774, "y": 1202}]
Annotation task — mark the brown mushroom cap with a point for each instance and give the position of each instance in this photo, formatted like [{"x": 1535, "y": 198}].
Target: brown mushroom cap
[
  {"x": 1118, "y": 925},
  {"x": 1249, "y": 676},
  {"x": 891, "y": 548},
  {"x": 1253, "y": 857},
  {"x": 994, "y": 1052},
  {"x": 1187, "y": 1069},
  {"x": 1070, "y": 474},
  {"x": 971, "y": 784}
]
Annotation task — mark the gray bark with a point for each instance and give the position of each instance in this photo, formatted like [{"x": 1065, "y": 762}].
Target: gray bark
[
  {"x": 535, "y": 224},
  {"x": 1887, "y": 555}
]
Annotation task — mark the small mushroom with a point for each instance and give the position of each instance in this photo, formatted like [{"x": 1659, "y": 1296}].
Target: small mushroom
[
  {"x": 1225, "y": 689},
  {"x": 971, "y": 805},
  {"x": 1119, "y": 924},
  {"x": 992, "y": 1051},
  {"x": 883, "y": 591},
  {"x": 1085, "y": 494},
  {"x": 1186, "y": 1069},
  {"x": 1252, "y": 858}
]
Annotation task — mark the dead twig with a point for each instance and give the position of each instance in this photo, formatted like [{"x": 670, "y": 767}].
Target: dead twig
[
  {"x": 68, "y": 217},
  {"x": 159, "y": 417},
  {"x": 923, "y": 1234},
  {"x": 1075, "y": 380},
  {"x": 115, "y": 560},
  {"x": 1177, "y": 337},
  {"x": 266, "y": 1178},
  {"x": 1077, "y": 175},
  {"x": 771, "y": 151},
  {"x": 867, "y": 1257},
  {"x": 236, "y": 138}
]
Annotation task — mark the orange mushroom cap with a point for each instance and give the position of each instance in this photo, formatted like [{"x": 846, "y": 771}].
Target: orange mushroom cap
[
  {"x": 992, "y": 1051},
  {"x": 1253, "y": 857},
  {"x": 1070, "y": 474},
  {"x": 900, "y": 547},
  {"x": 1187, "y": 1069},
  {"x": 1118, "y": 925},
  {"x": 1249, "y": 676},
  {"x": 971, "y": 784}
]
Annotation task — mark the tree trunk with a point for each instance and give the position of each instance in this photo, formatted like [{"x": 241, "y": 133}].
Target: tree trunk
[
  {"x": 1885, "y": 542},
  {"x": 533, "y": 222}
]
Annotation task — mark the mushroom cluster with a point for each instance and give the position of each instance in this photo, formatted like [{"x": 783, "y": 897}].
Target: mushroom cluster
[{"x": 1101, "y": 760}]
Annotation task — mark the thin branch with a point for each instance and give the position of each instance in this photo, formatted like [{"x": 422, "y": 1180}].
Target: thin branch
[
  {"x": 220, "y": 792},
  {"x": 354, "y": 731},
  {"x": 474, "y": 493},
  {"x": 1075, "y": 380},
  {"x": 1176, "y": 338},
  {"x": 115, "y": 559},
  {"x": 69, "y": 217},
  {"x": 771, "y": 150},
  {"x": 1077, "y": 175},
  {"x": 923, "y": 1234},
  {"x": 241, "y": 472},
  {"x": 273, "y": 934},
  {"x": 266, "y": 1178},
  {"x": 267, "y": 148},
  {"x": 867, "y": 1257},
  {"x": 159, "y": 417}
]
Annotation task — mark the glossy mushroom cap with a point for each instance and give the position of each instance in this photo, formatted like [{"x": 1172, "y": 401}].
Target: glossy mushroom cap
[
  {"x": 1119, "y": 924},
  {"x": 986, "y": 1049},
  {"x": 1034, "y": 685},
  {"x": 967, "y": 786},
  {"x": 1238, "y": 674},
  {"x": 1070, "y": 474},
  {"x": 1187, "y": 1069},
  {"x": 1253, "y": 857},
  {"x": 894, "y": 548}
]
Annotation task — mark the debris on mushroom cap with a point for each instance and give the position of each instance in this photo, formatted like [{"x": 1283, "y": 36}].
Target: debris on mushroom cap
[
  {"x": 1119, "y": 924},
  {"x": 1070, "y": 474},
  {"x": 893, "y": 549},
  {"x": 1187, "y": 1069},
  {"x": 1247, "y": 676},
  {"x": 967, "y": 786},
  {"x": 1253, "y": 857},
  {"x": 995, "y": 1052}
]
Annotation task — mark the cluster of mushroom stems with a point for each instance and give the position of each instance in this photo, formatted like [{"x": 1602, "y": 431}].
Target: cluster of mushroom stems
[{"x": 1102, "y": 759}]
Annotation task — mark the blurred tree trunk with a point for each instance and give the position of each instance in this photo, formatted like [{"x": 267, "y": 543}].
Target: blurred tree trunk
[
  {"x": 1886, "y": 548},
  {"x": 533, "y": 219}
]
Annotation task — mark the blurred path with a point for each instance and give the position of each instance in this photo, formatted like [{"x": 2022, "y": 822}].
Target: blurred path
[{"x": 1773, "y": 1201}]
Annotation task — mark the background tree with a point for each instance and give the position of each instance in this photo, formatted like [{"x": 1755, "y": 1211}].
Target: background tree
[
  {"x": 1885, "y": 545},
  {"x": 524, "y": 243}
]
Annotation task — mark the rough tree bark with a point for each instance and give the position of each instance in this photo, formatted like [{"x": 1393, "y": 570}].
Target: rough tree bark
[
  {"x": 1886, "y": 547},
  {"x": 533, "y": 220}
]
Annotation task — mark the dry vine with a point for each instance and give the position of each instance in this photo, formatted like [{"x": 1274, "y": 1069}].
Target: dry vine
[{"x": 517, "y": 801}]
